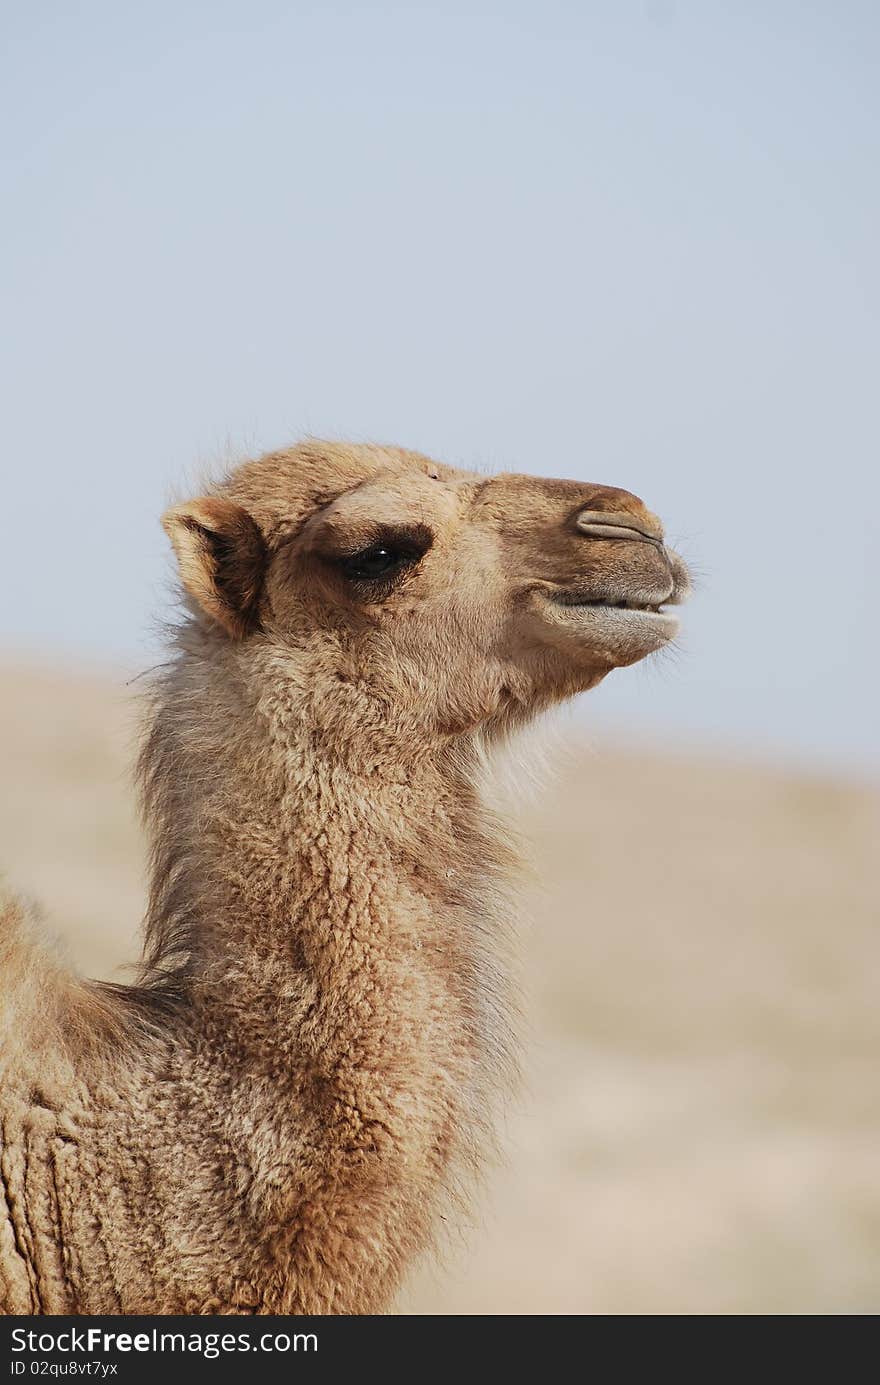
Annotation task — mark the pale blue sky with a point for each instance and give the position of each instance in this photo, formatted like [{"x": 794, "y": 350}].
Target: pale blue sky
[{"x": 634, "y": 243}]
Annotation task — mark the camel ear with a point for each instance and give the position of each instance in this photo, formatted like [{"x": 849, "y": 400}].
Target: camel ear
[{"x": 222, "y": 559}]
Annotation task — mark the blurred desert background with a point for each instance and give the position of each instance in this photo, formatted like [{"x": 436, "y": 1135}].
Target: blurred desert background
[{"x": 700, "y": 1126}]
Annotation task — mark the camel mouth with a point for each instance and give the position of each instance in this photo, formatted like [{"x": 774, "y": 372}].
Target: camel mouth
[
  {"x": 610, "y": 603},
  {"x": 624, "y": 619},
  {"x": 621, "y": 629}
]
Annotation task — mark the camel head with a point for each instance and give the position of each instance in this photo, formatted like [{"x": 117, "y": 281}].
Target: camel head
[{"x": 433, "y": 599}]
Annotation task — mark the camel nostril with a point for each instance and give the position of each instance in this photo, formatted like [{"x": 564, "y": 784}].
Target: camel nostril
[{"x": 620, "y": 524}]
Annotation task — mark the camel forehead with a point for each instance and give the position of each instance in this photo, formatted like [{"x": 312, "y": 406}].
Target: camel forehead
[{"x": 283, "y": 489}]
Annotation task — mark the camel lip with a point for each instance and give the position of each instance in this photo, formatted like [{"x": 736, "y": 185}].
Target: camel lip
[
  {"x": 615, "y": 617},
  {"x": 610, "y": 603}
]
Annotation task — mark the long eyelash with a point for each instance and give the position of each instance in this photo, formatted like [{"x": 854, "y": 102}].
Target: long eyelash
[
  {"x": 399, "y": 553},
  {"x": 411, "y": 545}
]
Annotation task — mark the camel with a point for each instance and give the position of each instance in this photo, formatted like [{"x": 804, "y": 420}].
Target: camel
[{"x": 304, "y": 1079}]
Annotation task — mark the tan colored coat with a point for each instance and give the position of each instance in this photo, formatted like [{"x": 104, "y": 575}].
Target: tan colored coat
[{"x": 307, "y": 1075}]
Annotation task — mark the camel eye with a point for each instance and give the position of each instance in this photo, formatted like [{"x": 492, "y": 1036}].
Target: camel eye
[
  {"x": 388, "y": 556},
  {"x": 374, "y": 562}
]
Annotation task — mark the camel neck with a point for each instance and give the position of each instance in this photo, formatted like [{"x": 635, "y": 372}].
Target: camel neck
[
  {"x": 278, "y": 848},
  {"x": 332, "y": 918}
]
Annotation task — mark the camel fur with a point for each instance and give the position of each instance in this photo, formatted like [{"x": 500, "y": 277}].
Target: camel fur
[{"x": 305, "y": 1077}]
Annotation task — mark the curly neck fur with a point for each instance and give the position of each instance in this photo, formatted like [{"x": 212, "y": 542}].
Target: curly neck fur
[{"x": 329, "y": 910}]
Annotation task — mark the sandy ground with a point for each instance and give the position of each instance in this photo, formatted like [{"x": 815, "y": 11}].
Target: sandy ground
[{"x": 700, "y": 1129}]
